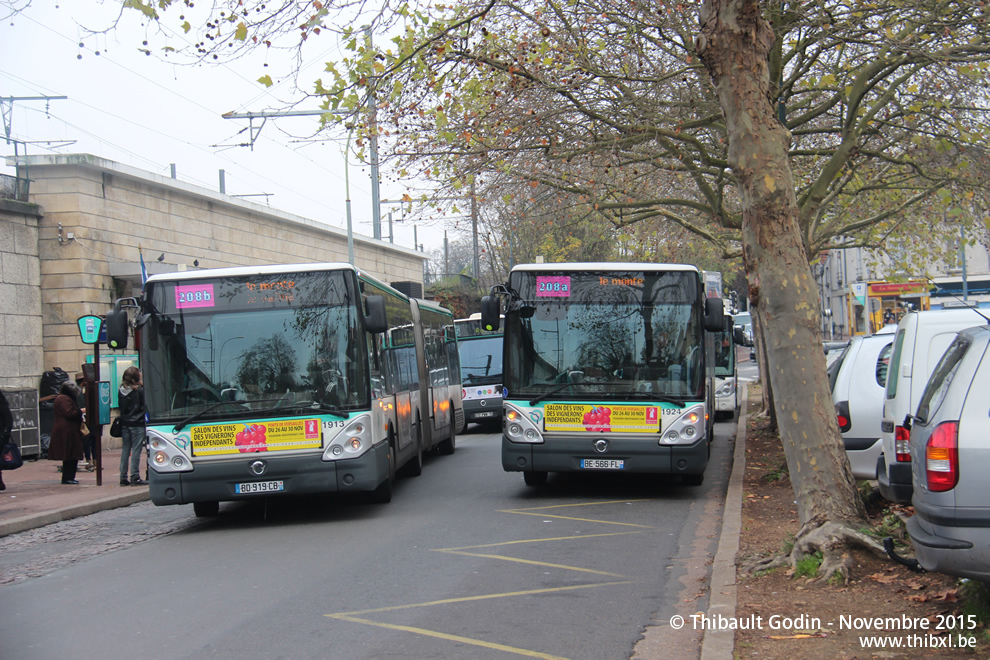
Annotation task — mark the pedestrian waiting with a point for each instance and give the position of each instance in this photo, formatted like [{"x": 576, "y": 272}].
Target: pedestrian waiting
[
  {"x": 66, "y": 442},
  {"x": 132, "y": 420}
]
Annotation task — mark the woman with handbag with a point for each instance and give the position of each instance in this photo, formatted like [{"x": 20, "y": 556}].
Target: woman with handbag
[
  {"x": 131, "y": 402},
  {"x": 66, "y": 442}
]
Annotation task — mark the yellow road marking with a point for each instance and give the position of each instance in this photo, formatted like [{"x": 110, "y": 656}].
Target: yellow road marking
[
  {"x": 557, "y": 538},
  {"x": 452, "y": 638},
  {"x": 531, "y": 562},
  {"x": 564, "y": 506},
  {"x": 468, "y": 599},
  {"x": 524, "y": 512},
  {"x": 533, "y": 511}
]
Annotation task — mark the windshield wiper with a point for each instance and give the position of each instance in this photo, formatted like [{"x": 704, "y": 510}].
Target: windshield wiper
[
  {"x": 196, "y": 415},
  {"x": 653, "y": 396},
  {"x": 317, "y": 407},
  {"x": 305, "y": 406},
  {"x": 555, "y": 390}
]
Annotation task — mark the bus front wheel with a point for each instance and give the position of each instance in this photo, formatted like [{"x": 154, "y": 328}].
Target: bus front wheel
[
  {"x": 693, "y": 479},
  {"x": 206, "y": 509},
  {"x": 383, "y": 494},
  {"x": 535, "y": 478}
]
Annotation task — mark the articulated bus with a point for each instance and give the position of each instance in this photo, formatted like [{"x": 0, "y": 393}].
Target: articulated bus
[
  {"x": 289, "y": 380},
  {"x": 605, "y": 369},
  {"x": 481, "y": 371}
]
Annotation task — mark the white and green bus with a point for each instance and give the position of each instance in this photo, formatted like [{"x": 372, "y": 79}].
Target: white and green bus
[
  {"x": 289, "y": 380},
  {"x": 605, "y": 368}
]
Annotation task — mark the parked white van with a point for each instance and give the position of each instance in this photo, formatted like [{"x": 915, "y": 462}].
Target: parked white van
[
  {"x": 857, "y": 380},
  {"x": 922, "y": 338}
]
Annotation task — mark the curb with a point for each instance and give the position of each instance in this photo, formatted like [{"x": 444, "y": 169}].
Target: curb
[
  {"x": 33, "y": 521},
  {"x": 720, "y": 644}
]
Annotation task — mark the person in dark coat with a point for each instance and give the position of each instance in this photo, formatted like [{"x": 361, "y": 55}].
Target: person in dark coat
[
  {"x": 66, "y": 443},
  {"x": 88, "y": 440},
  {"x": 130, "y": 398},
  {"x": 6, "y": 426}
]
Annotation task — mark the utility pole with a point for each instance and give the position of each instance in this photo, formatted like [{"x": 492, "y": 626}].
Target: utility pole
[
  {"x": 251, "y": 116},
  {"x": 7, "y": 112},
  {"x": 474, "y": 232},
  {"x": 376, "y": 211}
]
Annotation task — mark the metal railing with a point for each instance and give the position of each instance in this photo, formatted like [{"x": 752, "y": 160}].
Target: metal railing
[{"x": 14, "y": 187}]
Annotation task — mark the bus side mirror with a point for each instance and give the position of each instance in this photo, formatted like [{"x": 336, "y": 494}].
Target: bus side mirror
[
  {"x": 117, "y": 328},
  {"x": 738, "y": 337},
  {"x": 491, "y": 311},
  {"x": 714, "y": 315},
  {"x": 375, "y": 319}
]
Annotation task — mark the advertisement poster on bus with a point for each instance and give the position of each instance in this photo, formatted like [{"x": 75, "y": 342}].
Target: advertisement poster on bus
[
  {"x": 576, "y": 417},
  {"x": 246, "y": 437}
]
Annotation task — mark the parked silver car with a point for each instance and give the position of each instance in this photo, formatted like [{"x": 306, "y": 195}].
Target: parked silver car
[
  {"x": 950, "y": 455},
  {"x": 857, "y": 378}
]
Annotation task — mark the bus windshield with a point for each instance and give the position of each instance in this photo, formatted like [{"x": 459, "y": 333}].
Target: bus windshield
[
  {"x": 481, "y": 360},
  {"x": 286, "y": 343},
  {"x": 636, "y": 332}
]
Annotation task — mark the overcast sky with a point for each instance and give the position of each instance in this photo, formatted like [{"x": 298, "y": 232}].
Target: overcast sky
[{"x": 147, "y": 113}]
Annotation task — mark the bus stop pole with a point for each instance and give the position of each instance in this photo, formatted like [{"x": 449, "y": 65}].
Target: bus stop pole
[{"x": 93, "y": 413}]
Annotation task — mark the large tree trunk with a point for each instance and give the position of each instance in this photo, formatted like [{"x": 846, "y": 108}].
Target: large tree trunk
[{"x": 734, "y": 43}]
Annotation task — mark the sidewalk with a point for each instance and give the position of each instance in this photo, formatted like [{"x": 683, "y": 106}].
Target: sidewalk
[{"x": 36, "y": 497}]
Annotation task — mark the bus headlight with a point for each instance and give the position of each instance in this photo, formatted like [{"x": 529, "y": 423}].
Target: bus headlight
[
  {"x": 687, "y": 428},
  {"x": 353, "y": 440},
  {"x": 519, "y": 428},
  {"x": 728, "y": 388},
  {"x": 165, "y": 454}
]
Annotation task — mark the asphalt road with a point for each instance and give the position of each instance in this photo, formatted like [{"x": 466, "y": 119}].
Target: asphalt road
[{"x": 465, "y": 562}]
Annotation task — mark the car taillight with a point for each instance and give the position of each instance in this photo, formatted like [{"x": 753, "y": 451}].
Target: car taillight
[
  {"x": 842, "y": 416},
  {"x": 942, "y": 457},
  {"x": 902, "y": 444}
]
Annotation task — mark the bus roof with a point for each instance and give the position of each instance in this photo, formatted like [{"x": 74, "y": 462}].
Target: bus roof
[
  {"x": 272, "y": 269},
  {"x": 241, "y": 271},
  {"x": 605, "y": 266}
]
